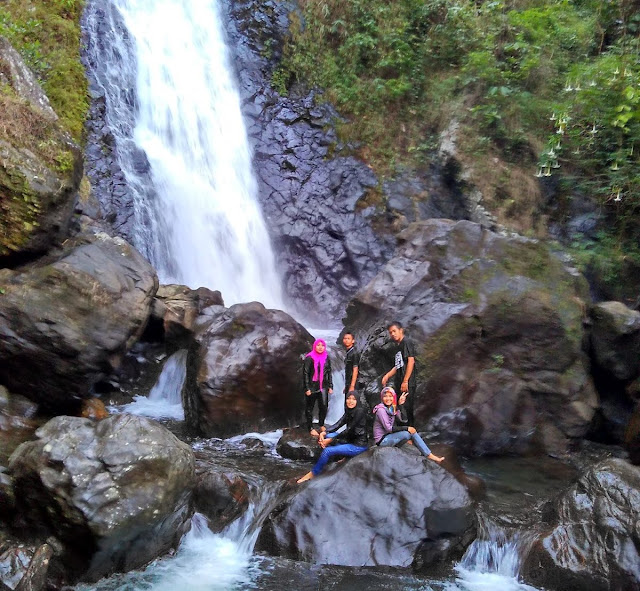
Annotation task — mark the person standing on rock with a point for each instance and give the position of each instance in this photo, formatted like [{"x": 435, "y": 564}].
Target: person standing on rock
[
  {"x": 351, "y": 442},
  {"x": 316, "y": 376},
  {"x": 390, "y": 428},
  {"x": 404, "y": 367},
  {"x": 351, "y": 363}
]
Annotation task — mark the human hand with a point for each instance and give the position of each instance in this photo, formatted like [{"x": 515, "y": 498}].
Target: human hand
[
  {"x": 403, "y": 398},
  {"x": 384, "y": 379},
  {"x": 404, "y": 387},
  {"x": 323, "y": 442},
  {"x": 308, "y": 393},
  {"x": 411, "y": 430},
  {"x": 330, "y": 390},
  {"x": 351, "y": 390}
]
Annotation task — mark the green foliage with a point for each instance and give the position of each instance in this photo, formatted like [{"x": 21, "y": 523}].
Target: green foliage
[
  {"x": 47, "y": 35},
  {"x": 596, "y": 136},
  {"x": 518, "y": 75}
]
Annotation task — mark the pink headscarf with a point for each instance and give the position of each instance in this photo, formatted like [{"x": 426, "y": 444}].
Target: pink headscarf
[
  {"x": 393, "y": 409},
  {"x": 319, "y": 360}
]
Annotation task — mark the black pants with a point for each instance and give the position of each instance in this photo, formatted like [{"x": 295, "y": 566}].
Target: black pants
[{"x": 310, "y": 402}]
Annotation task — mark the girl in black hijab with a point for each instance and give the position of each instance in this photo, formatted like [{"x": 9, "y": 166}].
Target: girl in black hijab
[{"x": 351, "y": 442}]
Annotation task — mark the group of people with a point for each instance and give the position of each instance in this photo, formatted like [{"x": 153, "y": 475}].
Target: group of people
[{"x": 393, "y": 416}]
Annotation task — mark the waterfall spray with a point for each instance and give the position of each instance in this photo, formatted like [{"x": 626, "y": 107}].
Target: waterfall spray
[{"x": 197, "y": 216}]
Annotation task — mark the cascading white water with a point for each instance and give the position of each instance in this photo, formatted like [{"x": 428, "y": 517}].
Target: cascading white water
[
  {"x": 199, "y": 223},
  {"x": 492, "y": 561},
  {"x": 165, "y": 398}
]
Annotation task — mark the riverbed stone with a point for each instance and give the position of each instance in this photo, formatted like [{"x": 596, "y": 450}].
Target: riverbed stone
[
  {"x": 297, "y": 444},
  {"x": 220, "y": 495},
  {"x": 387, "y": 506},
  {"x": 244, "y": 371},
  {"x": 65, "y": 324},
  {"x": 498, "y": 325},
  {"x": 114, "y": 493},
  {"x": 593, "y": 540}
]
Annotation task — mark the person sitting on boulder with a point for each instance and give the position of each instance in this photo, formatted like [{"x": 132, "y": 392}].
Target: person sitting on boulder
[
  {"x": 316, "y": 375},
  {"x": 387, "y": 432},
  {"x": 351, "y": 442}
]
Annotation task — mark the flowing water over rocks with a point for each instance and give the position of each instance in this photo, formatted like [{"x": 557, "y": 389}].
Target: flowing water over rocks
[{"x": 179, "y": 142}]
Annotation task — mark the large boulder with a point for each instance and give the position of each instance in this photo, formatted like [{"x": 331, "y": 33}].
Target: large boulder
[
  {"x": 386, "y": 507},
  {"x": 593, "y": 543},
  {"x": 114, "y": 493},
  {"x": 497, "y": 321},
  {"x": 615, "y": 340},
  {"x": 175, "y": 310},
  {"x": 244, "y": 370},
  {"x": 40, "y": 166},
  {"x": 65, "y": 324}
]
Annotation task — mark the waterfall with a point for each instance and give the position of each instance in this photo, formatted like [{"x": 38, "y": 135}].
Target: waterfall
[
  {"x": 165, "y": 398},
  {"x": 493, "y": 560},
  {"x": 174, "y": 111}
]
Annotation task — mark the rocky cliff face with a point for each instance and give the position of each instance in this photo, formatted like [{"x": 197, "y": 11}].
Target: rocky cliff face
[{"x": 332, "y": 221}]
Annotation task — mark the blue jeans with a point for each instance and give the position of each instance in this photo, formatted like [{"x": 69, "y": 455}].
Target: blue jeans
[
  {"x": 347, "y": 450},
  {"x": 401, "y": 437}
]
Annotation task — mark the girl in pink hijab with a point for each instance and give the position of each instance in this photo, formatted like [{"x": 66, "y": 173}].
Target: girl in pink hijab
[{"x": 316, "y": 379}]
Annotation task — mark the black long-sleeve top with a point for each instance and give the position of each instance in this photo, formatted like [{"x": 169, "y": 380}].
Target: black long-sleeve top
[
  {"x": 356, "y": 432},
  {"x": 308, "y": 370}
]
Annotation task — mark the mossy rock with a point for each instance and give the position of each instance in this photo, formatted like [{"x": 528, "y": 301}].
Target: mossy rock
[
  {"x": 40, "y": 166},
  {"x": 498, "y": 325}
]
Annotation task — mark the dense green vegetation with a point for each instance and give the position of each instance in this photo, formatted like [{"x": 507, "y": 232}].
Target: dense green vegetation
[
  {"x": 47, "y": 35},
  {"x": 540, "y": 88}
]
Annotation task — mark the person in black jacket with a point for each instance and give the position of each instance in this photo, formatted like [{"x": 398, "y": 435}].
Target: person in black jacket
[
  {"x": 351, "y": 442},
  {"x": 316, "y": 376}
]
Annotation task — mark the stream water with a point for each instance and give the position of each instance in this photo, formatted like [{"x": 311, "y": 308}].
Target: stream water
[
  {"x": 225, "y": 561},
  {"x": 179, "y": 136}
]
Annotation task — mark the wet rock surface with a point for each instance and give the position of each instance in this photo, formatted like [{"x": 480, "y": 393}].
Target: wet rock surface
[
  {"x": 593, "y": 540},
  {"x": 297, "y": 444},
  {"x": 244, "y": 370},
  {"x": 65, "y": 324},
  {"x": 174, "y": 312},
  {"x": 114, "y": 493},
  {"x": 221, "y": 496},
  {"x": 24, "y": 568},
  {"x": 497, "y": 321},
  {"x": 419, "y": 503}
]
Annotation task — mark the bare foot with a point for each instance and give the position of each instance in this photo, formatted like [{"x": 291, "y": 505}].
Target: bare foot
[
  {"x": 435, "y": 458},
  {"x": 314, "y": 433},
  {"x": 307, "y": 476}
]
